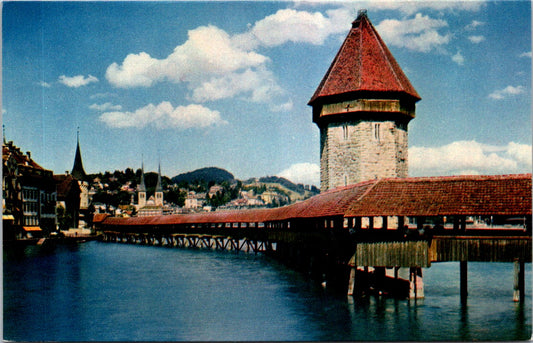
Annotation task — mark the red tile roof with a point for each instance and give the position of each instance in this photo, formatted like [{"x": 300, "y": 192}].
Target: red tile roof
[
  {"x": 418, "y": 196},
  {"x": 363, "y": 63},
  {"x": 451, "y": 195}
]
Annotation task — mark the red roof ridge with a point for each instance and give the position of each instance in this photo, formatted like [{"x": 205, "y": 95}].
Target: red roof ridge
[{"x": 457, "y": 177}]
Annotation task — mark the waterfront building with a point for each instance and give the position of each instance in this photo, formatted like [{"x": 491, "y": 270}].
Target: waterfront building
[
  {"x": 29, "y": 195},
  {"x": 69, "y": 198},
  {"x": 362, "y": 107}
]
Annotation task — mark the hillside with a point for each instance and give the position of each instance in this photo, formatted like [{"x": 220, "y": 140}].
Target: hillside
[{"x": 208, "y": 174}]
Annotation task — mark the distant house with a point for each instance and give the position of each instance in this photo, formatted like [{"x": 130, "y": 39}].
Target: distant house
[{"x": 195, "y": 200}]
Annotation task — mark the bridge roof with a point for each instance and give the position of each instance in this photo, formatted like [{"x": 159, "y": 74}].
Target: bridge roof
[
  {"x": 451, "y": 195},
  {"x": 417, "y": 196}
]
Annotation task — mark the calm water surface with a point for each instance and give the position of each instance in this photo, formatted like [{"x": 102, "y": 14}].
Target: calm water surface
[{"x": 108, "y": 292}]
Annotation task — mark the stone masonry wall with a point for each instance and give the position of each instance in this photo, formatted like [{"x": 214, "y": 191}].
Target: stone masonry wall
[{"x": 355, "y": 151}]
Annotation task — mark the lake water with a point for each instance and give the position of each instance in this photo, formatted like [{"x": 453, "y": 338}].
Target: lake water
[{"x": 109, "y": 292}]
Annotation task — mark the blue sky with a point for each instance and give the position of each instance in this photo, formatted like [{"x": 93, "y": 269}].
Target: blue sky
[{"x": 226, "y": 84}]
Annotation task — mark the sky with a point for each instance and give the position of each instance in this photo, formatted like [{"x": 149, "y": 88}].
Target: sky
[{"x": 226, "y": 84}]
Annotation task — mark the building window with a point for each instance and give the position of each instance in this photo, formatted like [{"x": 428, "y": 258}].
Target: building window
[{"x": 376, "y": 132}]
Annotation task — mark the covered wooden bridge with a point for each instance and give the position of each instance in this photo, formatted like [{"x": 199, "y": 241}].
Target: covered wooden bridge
[{"x": 376, "y": 227}]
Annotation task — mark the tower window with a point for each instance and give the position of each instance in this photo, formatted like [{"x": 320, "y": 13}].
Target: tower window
[
  {"x": 376, "y": 132},
  {"x": 345, "y": 131}
]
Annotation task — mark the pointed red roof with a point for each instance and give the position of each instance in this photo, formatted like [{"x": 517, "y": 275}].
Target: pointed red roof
[{"x": 363, "y": 63}]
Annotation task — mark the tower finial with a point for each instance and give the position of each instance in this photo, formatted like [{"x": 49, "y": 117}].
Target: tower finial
[{"x": 4, "y": 133}]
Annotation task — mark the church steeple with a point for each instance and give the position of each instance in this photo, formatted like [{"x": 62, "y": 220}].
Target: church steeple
[
  {"x": 141, "y": 188},
  {"x": 77, "y": 170},
  {"x": 159, "y": 188}
]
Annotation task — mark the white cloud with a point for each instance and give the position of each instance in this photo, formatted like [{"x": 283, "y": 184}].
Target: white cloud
[
  {"x": 305, "y": 173},
  {"x": 208, "y": 52},
  {"x": 470, "y": 157},
  {"x": 259, "y": 83},
  {"x": 507, "y": 91},
  {"x": 474, "y": 24},
  {"x": 77, "y": 81},
  {"x": 411, "y": 7},
  {"x": 476, "y": 39},
  {"x": 289, "y": 25},
  {"x": 164, "y": 116},
  {"x": 525, "y": 54},
  {"x": 44, "y": 84},
  {"x": 216, "y": 65},
  {"x": 105, "y": 107},
  {"x": 418, "y": 34},
  {"x": 458, "y": 58}
]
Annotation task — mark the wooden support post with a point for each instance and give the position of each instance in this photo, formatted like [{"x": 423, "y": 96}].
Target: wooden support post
[
  {"x": 420, "y": 222},
  {"x": 370, "y": 223},
  {"x": 519, "y": 281},
  {"x": 385, "y": 223},
  {"x": 401, "y": 222},
  {"x": 352, "y": 281},
  {"x": 416, "y": 284},
  {"x": 357, "y": 223},
  {"x": 464, "y": 281}
]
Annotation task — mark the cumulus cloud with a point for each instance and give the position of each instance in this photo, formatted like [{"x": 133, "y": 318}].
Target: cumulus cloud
[
  {"x": 476, "y": 39},
  {"x": 419, "y": 33},
  {"x": 208, "y": 51},
  {"x": 216, "y": 65},
  {"x": 289, "y": 25},
  {"x": 525, "y": 54},
  {"x": 470, "y": 157},
  {"x": 77, "y": 81},
  {"x": 164, "y": 116},
  {"x": 105, "y": 107},
  {"x": 458, "y": 58},
  {"x": 506, "y": 92},
  {"x": 44, "y": 84},
  {"x": 305, "y": 173}
]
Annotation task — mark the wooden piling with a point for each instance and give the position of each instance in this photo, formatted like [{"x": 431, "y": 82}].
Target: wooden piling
[
  {"x": 464, "y": 281},
  {"x": 519, "y": 281}
]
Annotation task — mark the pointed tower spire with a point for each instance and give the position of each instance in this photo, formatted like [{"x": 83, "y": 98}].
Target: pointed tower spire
[
  {"x": 142, "y": 185},
  {"x": 77, "y": 170},
  {"x": 363, "y": 65},
  {"x": 158, "y": 187},
  {"x": 141, "y": 188}
]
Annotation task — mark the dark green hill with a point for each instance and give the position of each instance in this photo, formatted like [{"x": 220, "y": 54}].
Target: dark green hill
[{"x": 217, "y": 175}]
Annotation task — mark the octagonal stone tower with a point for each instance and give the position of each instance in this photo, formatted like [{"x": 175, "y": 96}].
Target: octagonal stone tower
[{"x": 362, "y": 108}]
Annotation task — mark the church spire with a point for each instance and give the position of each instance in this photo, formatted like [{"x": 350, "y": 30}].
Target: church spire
[
  {"x": 141, "y": 189},
  {"x": 77, "y": 170},
  {"x": 159, "y": 188},
  {"x": 142, "y": 186}
]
